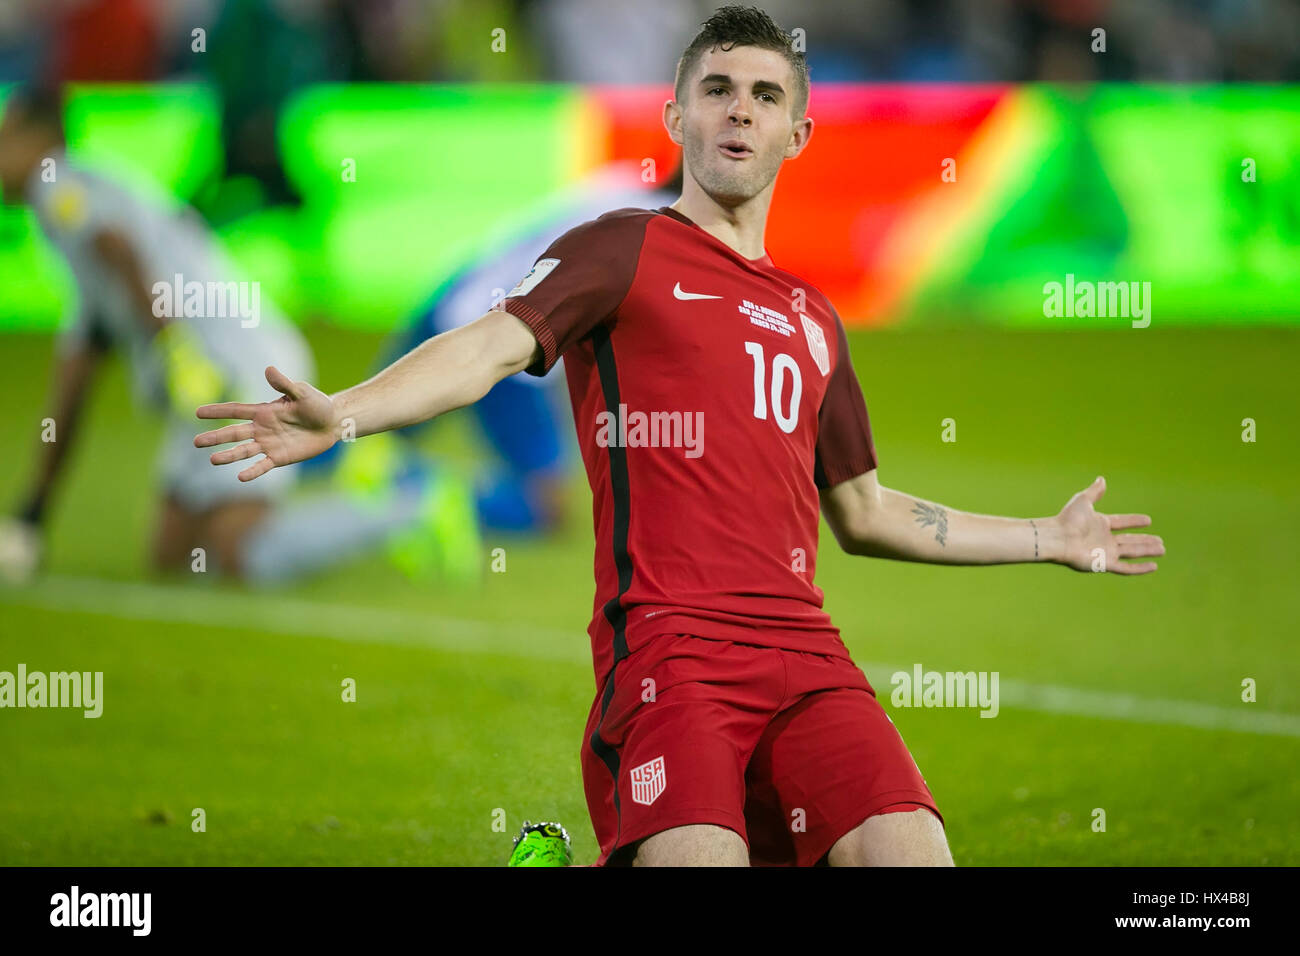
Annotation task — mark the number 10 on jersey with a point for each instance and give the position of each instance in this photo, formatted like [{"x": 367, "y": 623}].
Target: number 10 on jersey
[{"x": 781, "y": 363}]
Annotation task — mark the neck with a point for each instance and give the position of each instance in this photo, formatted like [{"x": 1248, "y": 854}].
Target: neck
[{"x": 742, "y": 227}]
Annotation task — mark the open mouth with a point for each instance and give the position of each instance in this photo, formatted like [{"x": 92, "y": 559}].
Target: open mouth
[{"x": 736, "y": 150}]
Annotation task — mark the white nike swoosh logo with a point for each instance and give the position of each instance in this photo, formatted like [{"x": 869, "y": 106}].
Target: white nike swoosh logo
[{"x": 678, "y": 293}]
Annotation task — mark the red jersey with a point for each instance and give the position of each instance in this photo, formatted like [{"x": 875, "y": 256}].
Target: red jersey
[{"x": 713, "y": 396}]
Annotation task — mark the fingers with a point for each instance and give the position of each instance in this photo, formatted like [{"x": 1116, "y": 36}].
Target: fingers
[
  {"x": 258, "y": 469},
  {"x": 281, "y": 382},
  {"x": 247, "y": 450},
  {"x": 1121, "y": 568},
  {"x": 1119, "y": 522},
  {"x": 1139, "y": 545},
  {"x": 220, "y": 436},
  {"x": 1095, "y": 490},
  {"x": 226, "y": 410}
]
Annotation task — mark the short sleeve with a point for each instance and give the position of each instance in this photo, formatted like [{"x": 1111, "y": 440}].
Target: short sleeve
[
  {"x": 845, "y": 448},
  {"x": 578, "y": 282}
]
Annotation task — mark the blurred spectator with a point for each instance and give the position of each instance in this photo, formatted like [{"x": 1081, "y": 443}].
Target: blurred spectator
[
  {"x": 106, "y": 40},
  {"x": 621, "y": 41},
  {"x": 266, "y": 48},
  {"x": 24, "y": 37},
  {"x": 258, "y": 53}
]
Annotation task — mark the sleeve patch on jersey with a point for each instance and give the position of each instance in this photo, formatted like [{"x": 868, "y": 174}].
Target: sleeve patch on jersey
[
  {"x": 816, "y": 344},
  {"x": 535, "y": 275}
]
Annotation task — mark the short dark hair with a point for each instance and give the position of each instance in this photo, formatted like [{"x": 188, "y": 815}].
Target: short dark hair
[
  {"x": 40, "y": 105},
  {"x": 733, "y": 26}
]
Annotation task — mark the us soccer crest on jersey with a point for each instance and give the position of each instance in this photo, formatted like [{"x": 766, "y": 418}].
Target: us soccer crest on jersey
[{"x": 816, "y": 344}]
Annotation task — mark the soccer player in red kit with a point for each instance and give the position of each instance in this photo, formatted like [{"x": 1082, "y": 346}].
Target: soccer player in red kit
[{"x": 718, "y": 414}]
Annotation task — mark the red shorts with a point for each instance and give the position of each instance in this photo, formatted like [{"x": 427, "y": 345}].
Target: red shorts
[{"x": 790, "y": 750}]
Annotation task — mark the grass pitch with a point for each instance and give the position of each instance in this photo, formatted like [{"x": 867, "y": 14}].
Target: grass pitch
[{"x": 1122, "y": 694}]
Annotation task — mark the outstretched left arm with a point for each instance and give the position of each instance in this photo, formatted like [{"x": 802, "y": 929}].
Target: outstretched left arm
[{"x": 870, "y": 520}]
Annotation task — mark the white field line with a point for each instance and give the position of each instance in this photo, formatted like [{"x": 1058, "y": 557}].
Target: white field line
[
  {"x": 264, "y": 611},
  {"x": 267, "y": 611}
]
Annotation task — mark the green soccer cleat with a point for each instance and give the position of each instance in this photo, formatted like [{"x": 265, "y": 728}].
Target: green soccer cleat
[{"x": 541, "y": 844}]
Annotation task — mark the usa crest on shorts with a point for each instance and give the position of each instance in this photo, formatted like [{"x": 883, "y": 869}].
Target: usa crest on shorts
[{"x": 648, "y": 781}]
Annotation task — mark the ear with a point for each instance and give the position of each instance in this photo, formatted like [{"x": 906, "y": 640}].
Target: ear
[
  {"x": 800, "y": 134},
  {"x": 673, "y": 121}
]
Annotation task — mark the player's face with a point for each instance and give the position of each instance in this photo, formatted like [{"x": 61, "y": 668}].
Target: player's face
[{"x": 739, "y": 96}]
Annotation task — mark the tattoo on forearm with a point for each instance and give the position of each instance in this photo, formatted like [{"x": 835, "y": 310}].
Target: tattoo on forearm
[
  {"x": 1035, "y": 527},
  {"x": 927, "y": 515}
]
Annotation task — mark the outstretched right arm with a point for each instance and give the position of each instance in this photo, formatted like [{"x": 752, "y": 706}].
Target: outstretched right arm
[{"x": 448, "y": 371}]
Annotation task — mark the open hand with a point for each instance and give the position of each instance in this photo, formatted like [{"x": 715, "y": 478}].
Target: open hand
[
  {"x": 1089, "y": 544},
  {"x": 296, "y": 426}
]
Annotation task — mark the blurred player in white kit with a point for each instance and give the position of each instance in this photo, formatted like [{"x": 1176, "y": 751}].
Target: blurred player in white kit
[{"x": 153, "y": 282}]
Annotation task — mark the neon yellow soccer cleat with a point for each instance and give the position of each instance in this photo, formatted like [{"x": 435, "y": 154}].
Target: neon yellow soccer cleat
[{"x": 541, "y": 844}]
